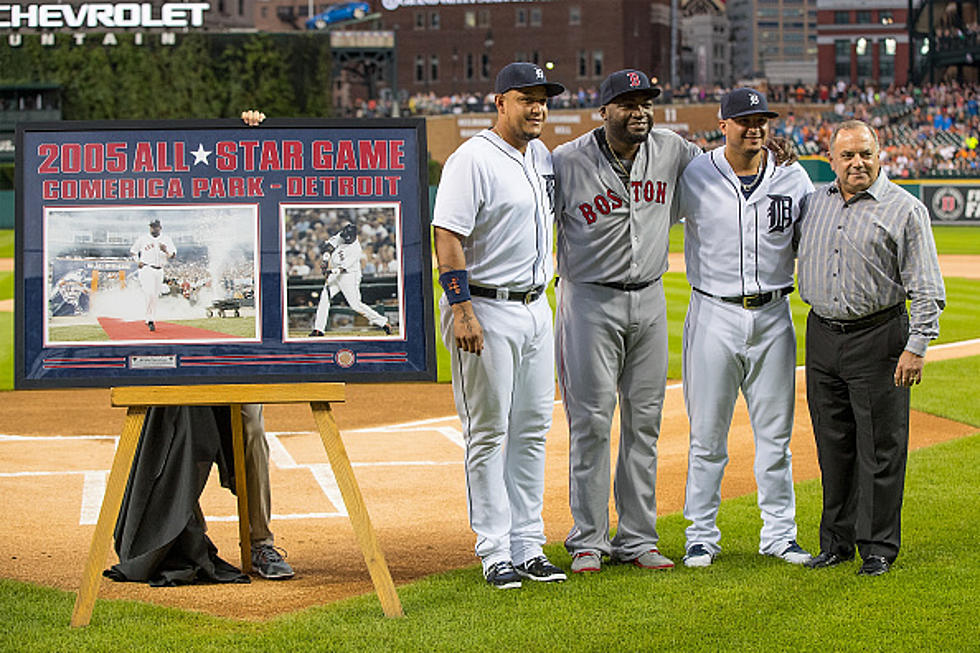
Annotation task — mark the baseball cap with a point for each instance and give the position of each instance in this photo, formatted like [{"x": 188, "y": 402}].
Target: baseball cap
[
  {"x": 745, "y": 102},
  {"x": 525, "y": 75},
  {"x": 625, "y": 81},
  {"x": 155, "y": 223}
]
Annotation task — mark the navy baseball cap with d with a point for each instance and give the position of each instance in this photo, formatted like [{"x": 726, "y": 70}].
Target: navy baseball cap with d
[
  {"x": 625, "y": 81},
  {"x": 525, "y": 75},
  {"x": 745, "y": 102}
]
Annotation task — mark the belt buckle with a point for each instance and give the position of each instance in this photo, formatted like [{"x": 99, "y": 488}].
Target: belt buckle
[
  {"x": 531, "y": 295},
  {"x": 503, "y": 293},
  {"x": 749, "y": 301}
]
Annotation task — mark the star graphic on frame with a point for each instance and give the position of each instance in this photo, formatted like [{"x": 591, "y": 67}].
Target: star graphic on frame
[{"x": 201, "y": 155}]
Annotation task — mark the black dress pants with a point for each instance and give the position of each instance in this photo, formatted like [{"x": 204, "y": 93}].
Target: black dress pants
[{"x": 861, "y": 424}]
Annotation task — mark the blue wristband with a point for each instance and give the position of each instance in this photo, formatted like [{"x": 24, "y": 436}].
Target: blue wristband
[{"x": 455, "y": 284}]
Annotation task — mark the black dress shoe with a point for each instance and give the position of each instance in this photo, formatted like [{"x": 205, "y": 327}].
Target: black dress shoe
[
  {"x": 825, "y": 559},
  {"x": 874, "y": 566}
]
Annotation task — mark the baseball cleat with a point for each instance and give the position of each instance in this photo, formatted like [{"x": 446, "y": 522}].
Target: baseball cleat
[
  {"x": 698, "y": 556},
  {"x": 315, "y": 333},
  {"x": 652, "y": 559},
  {"x": 387, "y": 328},
  {"x": 502, "y": 576},
  {"x": 541, "y": 570},
  {"x": 586, "y": 561},
  {"x": 793, "y": 553},
  {"x": 152, "y": 326}
]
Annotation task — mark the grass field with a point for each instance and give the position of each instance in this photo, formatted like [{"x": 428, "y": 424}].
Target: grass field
[
  {"x": 744, "y": 602},
  {"x": 6, "y": 243}
]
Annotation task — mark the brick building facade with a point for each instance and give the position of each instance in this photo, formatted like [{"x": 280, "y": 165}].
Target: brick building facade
[
  {"x": 457, "y": 46},
  {"x": 862, "y": 42}
]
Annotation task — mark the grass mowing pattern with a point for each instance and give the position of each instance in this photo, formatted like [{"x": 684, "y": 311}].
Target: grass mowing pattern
[
  {"x": 949, "y": 389},
  {"x": 743, "y": 602},
  {"x": 952, "y": 239}
]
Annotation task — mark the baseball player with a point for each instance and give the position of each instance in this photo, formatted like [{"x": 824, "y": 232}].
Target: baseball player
[
  {"x": 341, "y": 264},
  {"x": 741, "y": 210},
  {"x": 492, "y": 225},
  {"x": 152, "y": 251},
  {"x": 615, "y": 191}
]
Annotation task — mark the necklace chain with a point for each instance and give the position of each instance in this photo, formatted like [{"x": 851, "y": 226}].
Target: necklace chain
[
  {"x": 756, "y": 178},
  {"x": 619, "y": 161}
]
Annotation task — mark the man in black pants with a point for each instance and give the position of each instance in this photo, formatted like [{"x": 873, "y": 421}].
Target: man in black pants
[{"x": 866, "y": 246}]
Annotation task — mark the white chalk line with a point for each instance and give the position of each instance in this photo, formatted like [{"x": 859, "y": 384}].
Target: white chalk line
[{"x": 94, "y": 480}]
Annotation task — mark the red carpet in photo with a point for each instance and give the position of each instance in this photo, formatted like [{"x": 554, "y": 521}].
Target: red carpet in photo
[{"x": 118, "y": 329}]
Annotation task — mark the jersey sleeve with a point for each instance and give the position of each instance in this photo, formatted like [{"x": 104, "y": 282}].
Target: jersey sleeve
[
  {"x": 460, "y": 196},
  {"x": 688, "y": 154}
]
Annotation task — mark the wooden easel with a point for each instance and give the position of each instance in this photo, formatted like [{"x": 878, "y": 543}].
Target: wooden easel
[{"x": 319, "y": 396}]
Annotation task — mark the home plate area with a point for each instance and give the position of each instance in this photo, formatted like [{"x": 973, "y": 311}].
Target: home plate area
[{"x": 411, "y": 476}]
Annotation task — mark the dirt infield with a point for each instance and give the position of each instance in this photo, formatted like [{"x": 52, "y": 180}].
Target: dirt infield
[{"x": 410, "y": 474}]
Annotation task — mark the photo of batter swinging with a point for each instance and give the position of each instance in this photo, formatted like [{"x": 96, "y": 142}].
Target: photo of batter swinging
[{"x": 342, "y": 271}]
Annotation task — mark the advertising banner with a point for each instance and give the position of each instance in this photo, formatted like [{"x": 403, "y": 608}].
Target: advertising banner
[{"x": 957, "y": 203}]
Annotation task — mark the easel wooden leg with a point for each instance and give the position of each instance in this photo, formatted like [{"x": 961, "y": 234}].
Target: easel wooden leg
[
  {"x": 356, "y": 509},
  {"x": 121, "y": 465},
  {"x": 241, "y": 488}
]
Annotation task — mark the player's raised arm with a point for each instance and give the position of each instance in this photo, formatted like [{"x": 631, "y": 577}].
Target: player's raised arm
[{"x": 453, "y": 278}]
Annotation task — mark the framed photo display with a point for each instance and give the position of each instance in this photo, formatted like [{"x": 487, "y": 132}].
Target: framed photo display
[{"x": 211, "y": 252}]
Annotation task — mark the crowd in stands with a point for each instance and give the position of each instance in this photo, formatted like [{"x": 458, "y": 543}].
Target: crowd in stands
[
  {"x": 308, "y": 229},
  {"x": 929, "y": 130}
]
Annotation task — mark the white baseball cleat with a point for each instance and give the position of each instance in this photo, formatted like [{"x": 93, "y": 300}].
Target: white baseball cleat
[
  {"x": 698, "y": 555},
  {"x": 793, "y": 553}
]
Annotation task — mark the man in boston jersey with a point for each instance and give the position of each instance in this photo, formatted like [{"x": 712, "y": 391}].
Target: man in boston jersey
[
  {"x": 152, "y": 251},
  {"x": 615, "y": 192}
]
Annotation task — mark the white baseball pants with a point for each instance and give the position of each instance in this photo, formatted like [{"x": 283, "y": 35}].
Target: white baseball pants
[
  {"x": 728, "y": 348},
  {"x": 348, "y": 283},
  {"x": 151, "y": 281},
  {"x": 505, "y": 399}
]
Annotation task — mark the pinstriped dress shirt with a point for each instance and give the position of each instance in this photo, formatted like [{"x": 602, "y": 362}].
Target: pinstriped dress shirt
[{"x": 872, "y": 252}]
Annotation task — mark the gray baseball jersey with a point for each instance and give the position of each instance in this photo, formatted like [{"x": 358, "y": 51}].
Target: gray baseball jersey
[
  {"x": 736, "y": 247},
  {"x": 607, "y": 232},
  {"x": 612, "y": 341}
]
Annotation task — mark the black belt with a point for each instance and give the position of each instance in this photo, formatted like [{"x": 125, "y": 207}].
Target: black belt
[
  {"x": 751, "y": 301},
  {"x": 626, "y": 287},
  {"x": 155, "y": 267},
  {"x": 525, "y": 296},
  {"x": 866, "y": 322}
]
